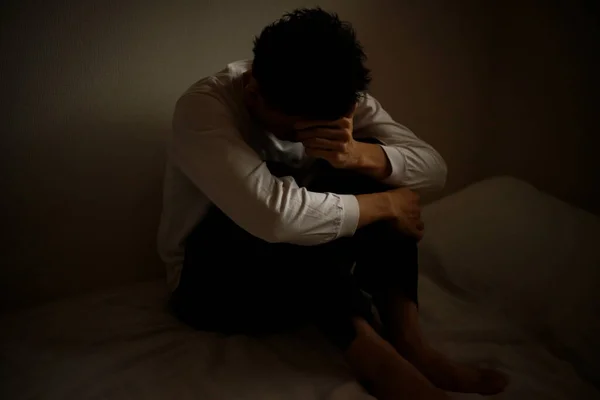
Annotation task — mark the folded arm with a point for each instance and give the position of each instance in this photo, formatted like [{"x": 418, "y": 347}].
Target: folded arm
[
  {"x": 402, "y": 159},
  {"x": 213, "y": 155}
]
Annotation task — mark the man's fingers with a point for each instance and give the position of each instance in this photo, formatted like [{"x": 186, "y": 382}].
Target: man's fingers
[
  {"x": 411, "y": 226},
  {"x": 324, "y": 144},
  {"x": 414, "y": 213},
  {"x": 414, "y": 232},
  {"x": 309, "y": 125},
  {"x": 342, "y": 123},
  {"x": 318, "y": 153},
  {"x": 420, "y": 225},
  {"x": 324, "y": 133},
  {"x": 419, "y": 235},
  {"x": 417, "y": 230}
]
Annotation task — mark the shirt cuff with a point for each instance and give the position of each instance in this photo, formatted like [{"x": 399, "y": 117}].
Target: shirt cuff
[
  {"x": 398, "y": 163},
  {"x": 350, "y": 214}
]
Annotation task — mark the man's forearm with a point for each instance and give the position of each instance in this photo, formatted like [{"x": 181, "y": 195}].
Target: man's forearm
[{"x": 372, "y": 161}]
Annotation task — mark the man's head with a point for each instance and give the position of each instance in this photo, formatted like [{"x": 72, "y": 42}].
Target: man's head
[{"x": 308, "y": 65}]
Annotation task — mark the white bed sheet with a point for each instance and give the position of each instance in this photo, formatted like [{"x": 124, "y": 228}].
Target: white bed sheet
[{"x": 124, "y": 345}]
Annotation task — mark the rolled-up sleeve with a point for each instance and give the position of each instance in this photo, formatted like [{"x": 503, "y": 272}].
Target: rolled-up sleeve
[
  {"x": 209, "y": 150},
  {"x": 415, "y": 163}
]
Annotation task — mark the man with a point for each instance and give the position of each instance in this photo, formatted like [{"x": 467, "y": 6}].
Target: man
[{"x": 289, "y": 191}]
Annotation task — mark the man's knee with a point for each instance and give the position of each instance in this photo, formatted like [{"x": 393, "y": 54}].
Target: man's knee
[
  {"x": 343, "y": 181},
  {"x": 387, "y": 236}
]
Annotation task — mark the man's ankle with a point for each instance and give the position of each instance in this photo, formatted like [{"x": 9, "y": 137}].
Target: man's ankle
[{"x": 368, "y": 352}]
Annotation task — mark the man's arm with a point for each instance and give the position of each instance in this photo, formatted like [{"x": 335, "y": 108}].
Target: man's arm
[
  {"x": 403, "y": 159},
  {"x": 216, "y": 159},
  {"x": 398, "y": 205}
]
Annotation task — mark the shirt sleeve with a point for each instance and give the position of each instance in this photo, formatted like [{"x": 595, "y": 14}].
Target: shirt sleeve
[
  {"x": 211, "y": 152},
  {"x": 415, "y": 164}
]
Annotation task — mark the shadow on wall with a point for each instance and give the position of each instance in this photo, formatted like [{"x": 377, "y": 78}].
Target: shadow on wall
[
  {"x": 428, "y": 62},
  {"x": 82, "y": 212},
  {"x": 542, "y": 96}
]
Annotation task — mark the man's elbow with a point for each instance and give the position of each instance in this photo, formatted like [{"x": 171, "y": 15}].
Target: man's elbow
[
  {"x": 273, "y": 235},
  {"x": 441, "y": 176},
  {"x": 267, "y": 232},
  {"x": 293, "y": 231},
  {"x": 284, "y": 231},
  {"x": 438, "y": 174},
  {"x": 275, "y": 229}
]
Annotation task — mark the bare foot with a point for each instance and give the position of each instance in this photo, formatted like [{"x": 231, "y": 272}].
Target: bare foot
[
  {"x": 452, "y": 376},
  {"x": 402, "y": 325},
  {"x": 389, "y": 375},
  {"x": 395, "y": 382}
]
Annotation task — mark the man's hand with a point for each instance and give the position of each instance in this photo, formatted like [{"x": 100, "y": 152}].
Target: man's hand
[
  {"x": 400, "y": 207},
  {"x": 407, "y": 212},
  {"x": 331, "y": 141}
]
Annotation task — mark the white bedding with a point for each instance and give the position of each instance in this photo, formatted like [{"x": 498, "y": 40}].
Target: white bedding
[{"x": 122, "y": 344}]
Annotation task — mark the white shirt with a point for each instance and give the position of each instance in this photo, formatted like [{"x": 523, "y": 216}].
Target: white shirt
[{"x": 217, "y": 155}]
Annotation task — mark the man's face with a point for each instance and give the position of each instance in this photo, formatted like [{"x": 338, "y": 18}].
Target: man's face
[{"x": 274, "y": 121}]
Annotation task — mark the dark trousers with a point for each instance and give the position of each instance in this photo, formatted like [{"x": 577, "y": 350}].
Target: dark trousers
[{"x": 233, "y": 282}]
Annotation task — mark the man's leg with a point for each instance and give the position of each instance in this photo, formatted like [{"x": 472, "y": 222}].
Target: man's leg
[
  {"x": 387, "y": 374},
  {"x": 374, "y": 359},
  {"x": 387, "y": 268},
  {"x": 234, "y": 283},
  {"x": 402, "y": 321}
]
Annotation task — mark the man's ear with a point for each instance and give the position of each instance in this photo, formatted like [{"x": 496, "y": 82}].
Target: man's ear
[
  {"x": 250, "y": 83},
  {"x": 251, "y": 92}
]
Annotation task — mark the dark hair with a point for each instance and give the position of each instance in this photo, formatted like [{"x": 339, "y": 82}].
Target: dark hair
[{"x": 310, "y": 64}]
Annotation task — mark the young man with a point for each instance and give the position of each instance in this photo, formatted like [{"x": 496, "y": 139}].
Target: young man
[{"x": 290, "y": 192}]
